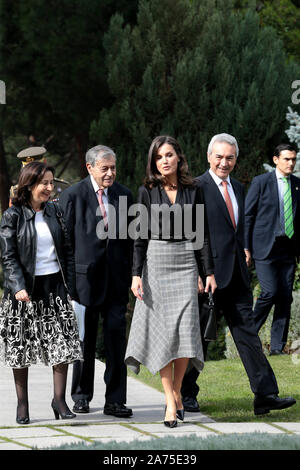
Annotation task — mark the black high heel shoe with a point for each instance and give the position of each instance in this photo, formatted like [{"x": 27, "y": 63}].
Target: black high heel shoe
[
  {"x": 170, "y": 424},
  {"x": 180, "y": 414},
  {"x": 22, "y": 419},
  {"x": 57, "y": 413}
]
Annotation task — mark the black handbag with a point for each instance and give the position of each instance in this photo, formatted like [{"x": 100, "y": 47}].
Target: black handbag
[{"x": 208, "y": 318}]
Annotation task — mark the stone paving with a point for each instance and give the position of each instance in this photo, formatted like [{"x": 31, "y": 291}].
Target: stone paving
[{"x": 148, "y": 406}]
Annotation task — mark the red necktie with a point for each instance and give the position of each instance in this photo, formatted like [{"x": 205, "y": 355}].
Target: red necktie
[
  {"x": 102, "y": 207},
  {"x": 228, "y": 203}
]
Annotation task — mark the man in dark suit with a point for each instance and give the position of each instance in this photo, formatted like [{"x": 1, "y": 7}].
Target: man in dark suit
[
  {"x": 272, "y": 236},
  {"x": 224, "y": 200},
  {"x": 103, "y": 273}
]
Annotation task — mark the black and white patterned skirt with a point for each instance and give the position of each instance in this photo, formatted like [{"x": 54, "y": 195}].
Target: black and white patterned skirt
[
  {"x": 165, "y": 324},
  {"x": 43, "y": 330}
]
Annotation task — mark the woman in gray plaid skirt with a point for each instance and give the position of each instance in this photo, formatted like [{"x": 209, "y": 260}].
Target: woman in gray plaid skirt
[{"x": 171, "y": 255}]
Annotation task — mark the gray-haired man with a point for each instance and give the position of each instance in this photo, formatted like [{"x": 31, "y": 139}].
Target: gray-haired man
[
  {"x": 103, "y": 267},
  {"x": 224, "y": 199}
]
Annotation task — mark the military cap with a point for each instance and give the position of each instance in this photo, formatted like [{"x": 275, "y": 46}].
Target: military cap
[{"x": 31, "y": 154}]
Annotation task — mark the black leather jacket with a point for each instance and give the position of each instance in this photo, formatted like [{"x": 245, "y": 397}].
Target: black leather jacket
[{"x": 18, "y": 248}]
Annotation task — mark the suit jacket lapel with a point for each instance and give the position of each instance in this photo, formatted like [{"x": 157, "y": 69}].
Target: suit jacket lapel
[
  {"x": 274, "y": 191},
  {"x": 295, "y": 194},
  {"x": 113, "y": 200},
  {"x": 90, "y": 196},
  {"x": 273, "y": 185},
  {"x": 239, "y": 200},
  {"x": 217, "y": 196}
]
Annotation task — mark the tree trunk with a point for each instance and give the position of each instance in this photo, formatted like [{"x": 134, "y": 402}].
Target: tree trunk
[
  {"x": 81, "y": 150},
  {"x": 4, "y": 178}
]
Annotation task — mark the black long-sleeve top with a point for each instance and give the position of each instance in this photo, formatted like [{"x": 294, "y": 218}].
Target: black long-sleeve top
[{"x": 155, "y": 229}]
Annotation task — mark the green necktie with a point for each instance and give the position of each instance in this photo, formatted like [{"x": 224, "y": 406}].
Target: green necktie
[{"x": 288, "y": 209}]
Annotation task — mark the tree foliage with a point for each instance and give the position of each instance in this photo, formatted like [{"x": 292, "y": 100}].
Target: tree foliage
[
  {"x": 189, "y": 68},
  {"x": 284, "y": 17},
  {"x": 193, "y": 69},
  {"x": 52, "y": 61}
]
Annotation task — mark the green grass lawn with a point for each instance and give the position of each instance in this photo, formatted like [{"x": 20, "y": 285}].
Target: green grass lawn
[{"x": 225, "y": 393}]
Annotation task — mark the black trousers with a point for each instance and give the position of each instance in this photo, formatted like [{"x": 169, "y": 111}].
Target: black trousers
[
  {"x": 235, "y": 303},
  {"x": 114, "y": 331},
  {"x": 276, "y": 277}
]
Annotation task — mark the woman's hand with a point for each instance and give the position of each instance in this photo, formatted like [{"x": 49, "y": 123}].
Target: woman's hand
[
  {"x": 137, "y": 287},
  {"x": 22, "y": 296},
  {"x": 211, "y": 284},
  {"x": 200, "y": 285}
]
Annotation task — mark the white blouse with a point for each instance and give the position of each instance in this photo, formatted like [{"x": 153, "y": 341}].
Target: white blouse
[{"x": 46, "y": 260}]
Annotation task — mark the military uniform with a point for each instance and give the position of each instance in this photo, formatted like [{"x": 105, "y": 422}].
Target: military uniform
[{"x": 32, "y": 154}]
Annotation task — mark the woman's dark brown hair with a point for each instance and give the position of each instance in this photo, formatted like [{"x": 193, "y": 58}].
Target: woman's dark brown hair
[
  {"x": 153, "y": 177},
  {"x": 30, "y": 175}
]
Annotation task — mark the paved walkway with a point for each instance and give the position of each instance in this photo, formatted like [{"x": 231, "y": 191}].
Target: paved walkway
[{"x": 146, "y": 423}]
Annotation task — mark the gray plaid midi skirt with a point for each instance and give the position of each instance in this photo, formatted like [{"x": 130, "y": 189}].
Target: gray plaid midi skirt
[{"x": 165, "y": 324}]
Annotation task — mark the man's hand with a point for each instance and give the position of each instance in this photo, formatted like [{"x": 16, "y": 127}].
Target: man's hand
[{"x": 211, "y": 284}]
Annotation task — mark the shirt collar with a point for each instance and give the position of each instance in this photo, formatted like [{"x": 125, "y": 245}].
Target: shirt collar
[
  {"x": 96, "y": 187},
  {"x": 216, "y": 178}
]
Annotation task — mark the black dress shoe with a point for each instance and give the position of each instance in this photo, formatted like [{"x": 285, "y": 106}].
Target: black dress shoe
[
  {"x": 81, "y": 406},
  {"x": 264, "y": 404},
  {"x": 190, "y": 404},
  {"x": 277, "y": 352},
  {"x": 117, "y": 409}
]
